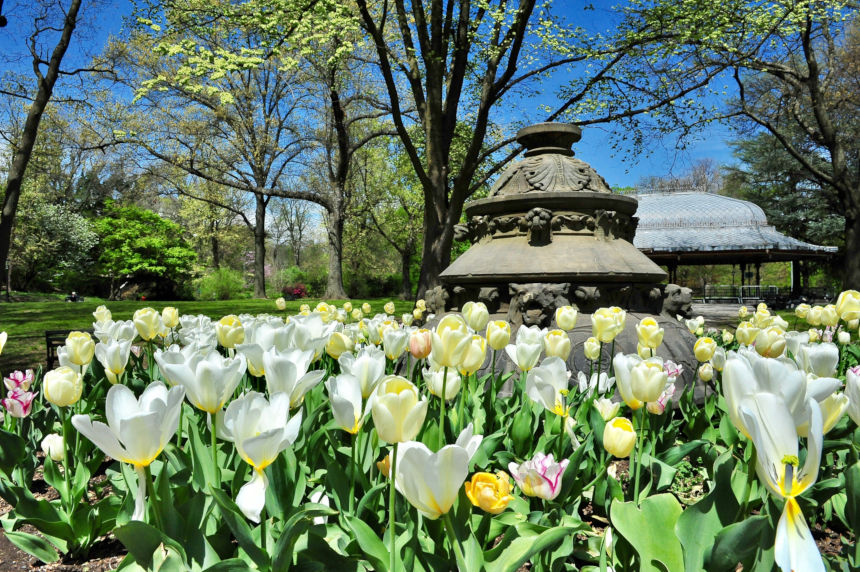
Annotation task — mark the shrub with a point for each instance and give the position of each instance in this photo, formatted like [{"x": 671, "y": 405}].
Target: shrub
[{"x": 221, "y": 284}]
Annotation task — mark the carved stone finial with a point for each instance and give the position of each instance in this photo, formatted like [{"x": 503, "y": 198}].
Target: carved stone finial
[{"x": 540, "y": 227}]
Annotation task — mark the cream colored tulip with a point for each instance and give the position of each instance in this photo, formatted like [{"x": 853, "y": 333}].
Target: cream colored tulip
[
  {"x": 148, "y": 323},
  {"x": 743, "y": 312},
  {"x": 619, "y": 438},
  {"x": 604, "y": 324},
  {"x": 63, "y": 386},
  {"x": 389, "y": 308},
  {"x": 591, "y": 348},
  {"x": 556, "y": 343},
  {"x": 102, "y": 314},
  {"x": 829, "y": 316},
  {"x": 474, "y": 356},
  {"x": 813, "y": 317},
  {"x": 230, "y": 331},
  {"x": 706, "y": 372},
  {"x": 419, "y": 343},
  {"x": 801, "y": 310},
  {"x": 436, "y": 378},
  {"x": 565, "y": 317},
  {"x": 814, "y": 336},
  {"x": 844, "y": 338},
  {"x": 476, "y": 315},
  {"x": 52, "y": 446},
  {"x": 728, "y": 337},
  {"x": 607, "y": 408},
  {"x": 398, "y": 411},
  {"x": 281, "y": 304},
  {"x": 770, "y": 342},
  {"x": 170, "y": 317},
  {"x": 337, "y": 344},
  {"x": 450, "y": 341},
  {"x": 394, "y": 342},
  {"x": 648, "y": 379},
  {"x": 498, "y": 334},
  {"x": 80, "y": 348},
  {"x": 421, "y": 305},
  {"x": 366, "y": 309}
]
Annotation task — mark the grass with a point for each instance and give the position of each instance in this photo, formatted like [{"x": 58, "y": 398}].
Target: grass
[{"x": 26, "y": 322}]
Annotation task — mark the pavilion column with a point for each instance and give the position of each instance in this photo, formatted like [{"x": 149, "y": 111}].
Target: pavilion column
[
  {"x": 758, "y": 273},
  {"x": 795, "y": 277},
  {"x": 743, "y": 274}
]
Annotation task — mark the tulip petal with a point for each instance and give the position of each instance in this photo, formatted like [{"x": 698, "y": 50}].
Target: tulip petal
[
  {"x": 252, "y": 496},
  {"x": 141, "y": 435},
  {"x": 100, "y": 434},
  {"x": 120, "y": 404},
  {"x": 794, "y": 548}
]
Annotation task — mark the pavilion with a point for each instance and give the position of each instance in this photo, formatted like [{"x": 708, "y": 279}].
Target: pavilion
[{"x": 689, "y": 228}]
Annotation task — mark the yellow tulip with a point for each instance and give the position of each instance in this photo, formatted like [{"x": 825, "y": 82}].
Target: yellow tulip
[
  {"x": 746, "y": 333},
  {"x": 474, "y": 356},
  {"x": 389, "y": 308},
  {"x": 706, "y": 372},
  {"x": 591, "y": 347},
  {"x": 607, "y": 408},
  {"x": 650, "y": 333},
  {"x": 604, "y": 324},
  {"x": 801, "y": 310},
  {"x": 281, "y": 304},
  {"x": 80, "y": 348},
  {"x": 770, "y": 342},
  {"x": 829, "y": 316},
  {"x": 421, "y": 305},
  {"x": 230, "y": 331},
  {"x": 619, "y": 437},
  {"x": 347, "y": 307},
  {"x": 337, "y": 344},
  {"x": 476, "y": 315},
  {"x": 743, "y": 312},
  {"x": 450, "y": 340},
  {"x": 848, "y": 305},
  {"x": 704, "y": 349},
  {"x": 813, "y": 317},
  {"x": 491, "y": 493},
  {"x": 102, "y": 314},
  {"x": 728, "y": 337},
  {"x": 357, "y": 314},
  {"x": 365, "y": 308},
  {"x": 648, "y": 379}
]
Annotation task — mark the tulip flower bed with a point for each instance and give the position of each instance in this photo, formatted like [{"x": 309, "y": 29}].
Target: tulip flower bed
[{"x": 343, "y": 439}]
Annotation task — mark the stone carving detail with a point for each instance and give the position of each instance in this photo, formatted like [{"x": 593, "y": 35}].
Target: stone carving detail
[
  {"x": 540, "y": 229},
  {"x": 478, "y": 227},
  {"x": 461, "y": 232},
  {"x": 572, "y": 221},
  {"x": 548, "y": 173},
  {"x": 534, "y": 304},
  {"x": 437, "y": 299},
  {"x": 586, "y": 297},
  {"x": 507, "y": 224},
  {"x": 677, "y": 301},
  {"x": 491, "y": 298}
]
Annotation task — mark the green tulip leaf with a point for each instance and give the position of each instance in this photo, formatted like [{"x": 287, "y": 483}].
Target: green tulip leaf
[
  {"x": 33, "y": 545},
  {"x": 650, "y": 529},
  {"x": 736, "y": 543},
  {"x": 521, "y": 549},
  {"x": 294, "y": 527},
  {"x": 141, "y": 540},
  {"x": 239, "y": 527},
  {"x": 12, "y": 451},
  {"x": 852, "y": 491},
  {"x": 700, "y": 523},
  {"x": 231, "y": 565},
  {"x": 374, "y": 549}
]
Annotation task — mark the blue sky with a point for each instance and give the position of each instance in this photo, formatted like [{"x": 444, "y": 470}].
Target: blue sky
[{"x": 621, "y": 169}]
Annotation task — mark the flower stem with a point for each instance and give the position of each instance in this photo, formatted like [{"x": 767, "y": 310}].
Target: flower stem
[
  {"x": 155, "y": 502},
  {"x": 391, "y": 500},
  {"x": 599, "y": 360},
  {"x": 638, "y": 460},
  {"x": 452, "y": 539},
  {"x": 67, "y": 464},
  {"x": 263, "y": 528},
  {"x": 352, "y": 461},
  {"x": 441, "y": 440},
  {"x": 742, "y": 511},
  {"x": 215, "y": 472},
  {"x": 462, "y": 408}
]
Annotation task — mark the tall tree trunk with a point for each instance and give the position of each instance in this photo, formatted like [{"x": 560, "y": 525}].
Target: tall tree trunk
[
  {"x": 437, "y": 252},
  {"x": 406, "y": 281},
  {"x": 851, "y": 263},
  {"x": 31, "y": 130},
  {"x": 334, "y": 230},
  {"x": 260, "y": 248}
]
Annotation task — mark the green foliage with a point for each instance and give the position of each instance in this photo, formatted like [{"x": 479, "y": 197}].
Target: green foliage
[
  {"x": 137, "y": 244},
  {"x": 221, "y": 284}
]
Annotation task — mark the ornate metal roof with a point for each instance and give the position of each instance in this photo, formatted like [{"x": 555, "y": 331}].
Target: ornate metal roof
[{"x": 678, "y": 222}]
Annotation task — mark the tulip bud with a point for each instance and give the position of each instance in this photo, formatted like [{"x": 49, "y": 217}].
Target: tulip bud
[
  {"x": 728, "y": 337},
  {"x": 102, "y": 314},
  {"x": 384, "y": 466},
  {"x": 844, "y": 337},
  {"x": 476, "y": 315},
  {"x": 435, "y": 379},
  {"x": 619, "y": 437},
  {"x": 347, "y": 307},
  {"x": 706, "y": 372},
  {"x": 743, "y": 312},
  {"x": 389, "y": 308},
  {"x": 704, "y": 349},
  {"x": 565, "y": 317},
  {"x": 52, "y": 446},
  {"x": 591, "y": 347},
  {"x": 417, "y": 314},
  {"x": 62, "y": 386},
  {"x": 539, "y": 477},
  {"x": 474, "y": 356},
  {"x": 449, "y": 341},
  {"x": 394, "y": 342},
  {"x": 3, "y": 337},
  {"x": 650, "y": 333},
  {"x": 762, "y": 317},
  {"x": 397, "y": 411},
  {"x": 337, "y": 344},
  {"x": 365, "y": 308},
  {"x": 421, "y": 305},
  {"x": 607, "y": 408},
  {"x": 281, "y": 304},
  {"x": 19, "y": 403},
  {"x": 491, "y": 493},
  {"x": 357, "y": 314},
  {"x": 770, "y": 342},
  {"x": 643, "y": 352},
  {"x": 719, "y": 359},
  {"x": 829, "y": 316},
  {"x": 853, "y": 324},
  {"x": 556, "y": 343},
  {"x": 695, "y": 324},
  {"x": 419, "y": 343},
  {"x": 746, "y": 333},
  {"x": 148, "y": 323},
  {"x": 498, "y": 334},
  {"x": 80, "y": 348},
  {"x": 230, "y": 331},
  {"x": 814, "y": 335},
  {"x": 170, "y": 317},
  {"x": 801, "y": 310},
  {"x": 406, "y": 319},
  {"x": 19, "y": 380}
]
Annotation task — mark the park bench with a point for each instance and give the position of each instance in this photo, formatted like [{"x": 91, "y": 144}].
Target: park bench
[{"x": 53, "y": 340}]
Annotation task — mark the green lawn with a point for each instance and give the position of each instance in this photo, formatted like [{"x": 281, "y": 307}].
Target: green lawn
[{"x": 26, "y": 322}]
